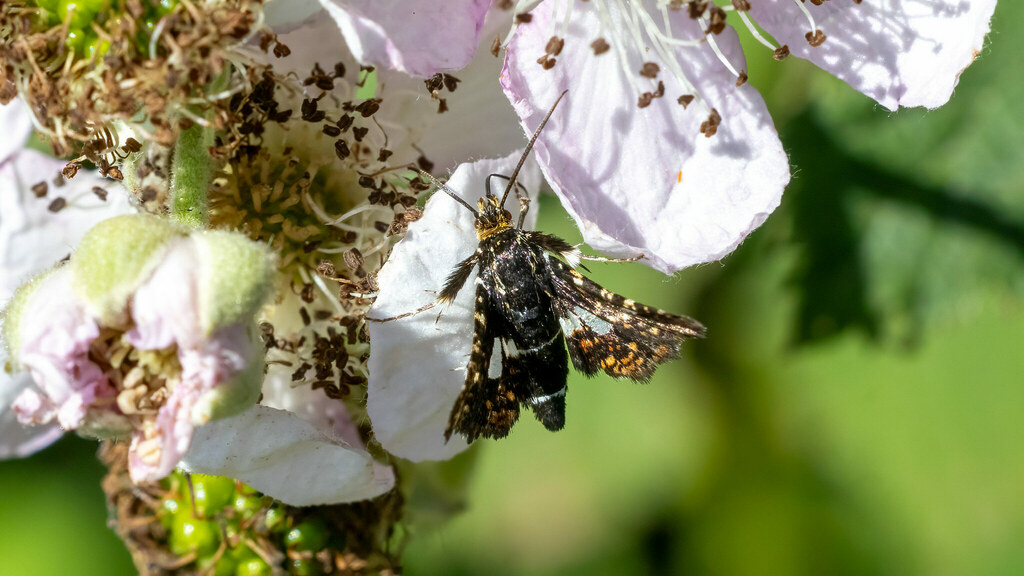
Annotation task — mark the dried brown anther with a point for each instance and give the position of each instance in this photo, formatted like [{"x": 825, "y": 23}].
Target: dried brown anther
[
  {"x": 554, "y": 46},
  {"x": 816, "y": 38},
  {"x": 57, "y": 205},
  {"x": 781, "y": 52},
  {"x": 650, "y": 70},
  {"x": 600, "y": 46},
  {"x": 716, "y": 23},
  {"x": 710, "y": 126}
]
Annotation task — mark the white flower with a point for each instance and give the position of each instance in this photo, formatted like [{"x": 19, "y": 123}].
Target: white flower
[
  {"x": 32, "y": 238},
  {"x": 661, "y": 148}
]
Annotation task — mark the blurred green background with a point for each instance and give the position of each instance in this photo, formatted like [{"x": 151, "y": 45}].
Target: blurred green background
[{"x": 853, "y": 410}]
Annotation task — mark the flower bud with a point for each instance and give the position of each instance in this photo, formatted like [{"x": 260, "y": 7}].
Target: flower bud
[{"x": 148, "y": 330}]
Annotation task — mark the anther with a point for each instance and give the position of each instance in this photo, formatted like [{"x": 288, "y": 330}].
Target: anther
[
  {"x": 815, "y": 39},
  {"x": 650, "y": 70},
  {"x": 717, "y": 20},
  {"x": 710, "y": 126}
]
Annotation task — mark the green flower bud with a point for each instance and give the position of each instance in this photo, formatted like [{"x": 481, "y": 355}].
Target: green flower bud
[
  {"x": 115, "y": 257},
  {"x": 239, "y": 276}
]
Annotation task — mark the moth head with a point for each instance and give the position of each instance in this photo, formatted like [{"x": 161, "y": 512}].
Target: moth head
[{"x": 491, "y": 217}]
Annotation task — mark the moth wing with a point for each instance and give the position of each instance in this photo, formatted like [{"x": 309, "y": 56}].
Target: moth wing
[
  {"x": 469, "y": 414},
  {"x": 486, "y": 407},
  {"x": 605, "y": 331}
]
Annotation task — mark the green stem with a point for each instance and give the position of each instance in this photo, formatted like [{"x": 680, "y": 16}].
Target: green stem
[{"x": 191, "y": 172}]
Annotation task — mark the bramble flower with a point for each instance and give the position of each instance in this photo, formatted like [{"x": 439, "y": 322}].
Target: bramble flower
[
  {"x": 146, "y": 332},
  {"x": 409, "y": 400},
  {"x": 661, "y": 147},
  {"x": 40, "y": 222}
]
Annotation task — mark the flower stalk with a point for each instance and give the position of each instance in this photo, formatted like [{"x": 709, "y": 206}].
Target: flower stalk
[{"x": 191, "y": 173}]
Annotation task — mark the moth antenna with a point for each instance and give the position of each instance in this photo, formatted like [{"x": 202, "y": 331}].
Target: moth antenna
[
  {"x": 529, "y": 146},
  {"x": 443, "y": 187}
]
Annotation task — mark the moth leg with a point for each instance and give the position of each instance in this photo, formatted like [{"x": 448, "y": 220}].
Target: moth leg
[
  {"x": 456, "y": 280},
  {"x": 406, "y": 315}
]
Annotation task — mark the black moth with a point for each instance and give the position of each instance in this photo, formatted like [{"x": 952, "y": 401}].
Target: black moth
[{"x": 531, "y": 300}]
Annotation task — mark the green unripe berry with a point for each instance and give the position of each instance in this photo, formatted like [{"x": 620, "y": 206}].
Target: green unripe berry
[
  {"x": 275, "y": 519},
  {"x": 310, "y": 535},
  {"x": 246, "y": 505},
  {"x": 82, "y": 12},
  {"x": 170, "y": 508},
  {"x": 191, "y": 535},
  {"x": 225, "y": 566},
  {"x": 212, "y": 493},
  {"x": 253, "y": 567}
]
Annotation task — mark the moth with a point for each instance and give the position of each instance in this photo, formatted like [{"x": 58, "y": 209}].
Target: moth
[{"x": 533, "y": 303}]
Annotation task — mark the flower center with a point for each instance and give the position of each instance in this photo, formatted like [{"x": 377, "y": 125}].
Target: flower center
[{"x": 141, "y": 381}]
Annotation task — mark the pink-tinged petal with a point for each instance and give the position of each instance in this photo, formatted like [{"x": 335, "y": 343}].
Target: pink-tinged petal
[
  {"x": 899, "y": 52},
  {"x": 286, "y": 457},
  {"x": 478, "y": 123},
  {"x": 175, "y": 436},
  {"x": 205, "y": 367},
  {"x": 17, "y": 440},
  {"x": 417, "y": 364},
  {"x": 56, "y": 351},
  {"x": 165, "y": 309},
  {"x": 33, "y": 237},
  {"x": 16, "y": 125},
  {"x": 645, "y": 180},
  {"x": 419, "y": 38}
]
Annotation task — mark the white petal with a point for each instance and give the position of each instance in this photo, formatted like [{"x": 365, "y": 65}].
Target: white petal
[
  {"x": 285, "y": 457},
  {"x": 419, "y": 38},
  {"x": 644, "y": 180},
  {"x": 317, "y": 40},
  {"x": 287, "y": 15},
  {"x": 311, "y": 405},
  {"x": 478, "y": 124},
  {"x": 417, "y": 364},
  {"x": 16, "y": 125},
  {"x": 899, "y": 52},
  {"x": 32, "y": 238},
  {"x": 17, "y": 440}
]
